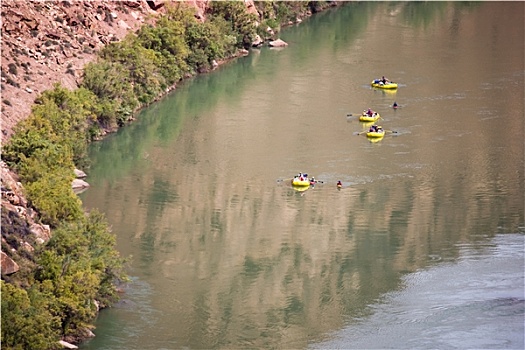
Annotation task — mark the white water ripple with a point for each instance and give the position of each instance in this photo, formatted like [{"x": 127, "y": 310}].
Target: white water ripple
[{"x": 476, "y": 303}]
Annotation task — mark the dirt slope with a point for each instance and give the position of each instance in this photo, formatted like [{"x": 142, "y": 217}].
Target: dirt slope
[{"x": 44, "y": 42}]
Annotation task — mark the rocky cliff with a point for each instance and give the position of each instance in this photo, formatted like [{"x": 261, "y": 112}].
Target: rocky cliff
[
  {"x": 44, "y": 42},
  {"x": 48, "y": 42}
]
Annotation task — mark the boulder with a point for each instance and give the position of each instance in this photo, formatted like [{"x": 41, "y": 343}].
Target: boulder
[
  {"x": 155, "y": 5},
  {"x": 278, "y": 43},
  {"x": 66, "y": 345},
  {"x": 41, "y": 231},
  {"x": 78, "y": 184},
  {"x": 258, "y": 41},
  {"x": 79, "y": 174},
  {"x": 8, "y": 265}
]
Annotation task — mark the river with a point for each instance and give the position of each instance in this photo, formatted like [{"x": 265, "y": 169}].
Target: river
[{"x": 422, "y": 247}]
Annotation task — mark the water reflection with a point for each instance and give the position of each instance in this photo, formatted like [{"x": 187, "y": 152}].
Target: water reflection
[
  {"x": 231, "y": 258},
  {"x": 449, "y": 306}
]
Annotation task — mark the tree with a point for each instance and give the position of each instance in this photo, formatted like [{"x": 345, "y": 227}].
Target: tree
[{"x": 26, "y": 323}]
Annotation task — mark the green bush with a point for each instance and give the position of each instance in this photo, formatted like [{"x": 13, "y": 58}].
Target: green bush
[
  {"x": 54, "y": 198},
  {"x": 138, "y": 69},
  {"x": 242, "y": 23},
  {"x": 70, "y": 286},
  {"x": 166, "y": 39},
  {"x": 112, "y": 84},
  {"x": 206, "y": 43},
  {"x": 26, "y": 321},
  {"x": 79, "y": 265}
]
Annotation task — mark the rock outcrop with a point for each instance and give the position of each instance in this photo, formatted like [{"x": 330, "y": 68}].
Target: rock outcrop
[
  {"x": 278, "y": 43},
  {"x": 44, "y": 42},
  {"x": 20, "y": 232},
  {"x": 8, "y": 265}
]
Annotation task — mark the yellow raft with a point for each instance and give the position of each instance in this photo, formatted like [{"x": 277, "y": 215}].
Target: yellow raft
[
  {"x": 378, "y": 84},
  {"x": 366, "y": 118},
  {"x": 375, "y": 134},
  {"x": 300, "y": 188},
  {"x": 300, "y": 183}
]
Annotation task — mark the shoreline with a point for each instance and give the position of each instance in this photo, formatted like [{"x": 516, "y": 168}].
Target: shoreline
[{"x": 32, "y": 216}]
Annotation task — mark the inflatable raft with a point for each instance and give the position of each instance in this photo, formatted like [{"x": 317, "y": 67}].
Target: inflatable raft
[
  {"x": 375, "y": 134},
  {"x": 300, "y": 183},
  {"x": 367, "y": 118},
  {"x": 377, "y": 83}
]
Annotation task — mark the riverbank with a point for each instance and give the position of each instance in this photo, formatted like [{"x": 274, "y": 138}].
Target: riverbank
[
  {"x": 39, "y": 191},
  {"x": 52, "y": 42}
]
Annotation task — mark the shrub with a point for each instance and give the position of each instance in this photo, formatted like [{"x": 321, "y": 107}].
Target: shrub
[
  {"x": 26, "y": 321},
  {"x": 79, "y": 264},
  {"x": 242, "y": 23},
  {"x": 12, "y": 68},
  {"x": 54, "y": 198}
]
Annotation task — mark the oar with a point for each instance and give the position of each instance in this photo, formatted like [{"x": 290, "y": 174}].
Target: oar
[
  {"x": 392, "y": 131},
  {"x": 362, "y": 132},
  {"x": 354, "y": 114},
  {"x": 358, "y": 115}
]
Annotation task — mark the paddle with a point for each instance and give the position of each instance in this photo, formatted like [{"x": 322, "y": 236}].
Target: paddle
[
  {"x": 290, "y": 179},
  {"x": 357, "y": 114},
  {"x": 354, "y": 114},
  {"x": 364, "y": 132}
]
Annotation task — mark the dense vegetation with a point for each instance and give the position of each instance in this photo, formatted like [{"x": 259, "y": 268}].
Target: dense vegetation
[
  {"x": 58, "y": 294},
  {"x": 135, "y": 71}
]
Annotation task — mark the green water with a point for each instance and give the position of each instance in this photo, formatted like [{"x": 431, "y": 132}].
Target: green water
[{"x": 225, "y": 254}]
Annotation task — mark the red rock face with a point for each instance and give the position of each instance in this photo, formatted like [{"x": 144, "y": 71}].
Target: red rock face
[{"x": 44, "y": 42}]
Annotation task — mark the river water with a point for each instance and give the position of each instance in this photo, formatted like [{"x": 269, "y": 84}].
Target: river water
[{"x": 421, "y": 248}]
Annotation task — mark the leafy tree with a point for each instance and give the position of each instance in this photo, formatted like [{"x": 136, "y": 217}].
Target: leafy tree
[
  {"x": 26, "y": 323},
  {"x": 30, "y": 135},
  {"x": 69, "y": 113},
  {"x": 242, "y": 23},
  {"x": 166, "y": 39},
  {"x": 206, "y": 43},
  {"x": 70, "y": 286},
  {"x": 139, "y": 67},
  {"x": 112, "y": 84},
  {"x": 78, "y": 266},
  {"x": 53, "y": 196}
]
